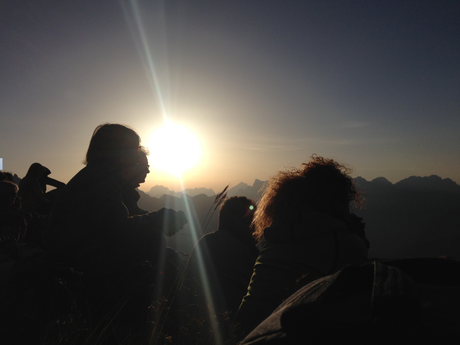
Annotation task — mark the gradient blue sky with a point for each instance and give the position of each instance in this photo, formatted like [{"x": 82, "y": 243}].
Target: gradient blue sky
[{"x": 263, "y": 84}]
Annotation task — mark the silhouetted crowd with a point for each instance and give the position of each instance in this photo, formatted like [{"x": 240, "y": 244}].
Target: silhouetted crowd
[{"x": 292, "y": 268}]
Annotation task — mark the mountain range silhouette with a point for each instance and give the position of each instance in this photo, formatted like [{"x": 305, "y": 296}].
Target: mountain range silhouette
[
  {"x": 158, "y": 191},
  {"x": 415, "y": 217}
]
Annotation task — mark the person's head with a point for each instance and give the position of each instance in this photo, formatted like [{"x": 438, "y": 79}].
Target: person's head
[
  {"x": 114, "y": 145},
  {"x": 36, "y": 170},
  {"x": 322, "y": 185},
  {"x": 236, "y": 215},
  {"x": 6, "y": 176}
]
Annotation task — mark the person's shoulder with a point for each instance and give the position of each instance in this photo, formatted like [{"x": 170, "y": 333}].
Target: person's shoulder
[
  {"x": 212, "y": 239},
  {"x": 83, "y": 173},
  {"x": 222, "y": 242},
  {"x": 209, "y": 237},
  {"x": 91, "y": 175},
  {"x": 219, "y": 235}
]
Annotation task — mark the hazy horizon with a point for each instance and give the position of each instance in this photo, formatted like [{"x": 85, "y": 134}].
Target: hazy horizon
[
  {"x": 146, "y": 190},
  {"x": 176, "y": 186}
]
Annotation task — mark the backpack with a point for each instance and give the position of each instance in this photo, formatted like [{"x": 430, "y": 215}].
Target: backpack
[{"x": 406, "y": 301}]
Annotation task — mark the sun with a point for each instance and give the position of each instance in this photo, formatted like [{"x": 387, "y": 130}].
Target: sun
[{"x": 173, "y": 148}]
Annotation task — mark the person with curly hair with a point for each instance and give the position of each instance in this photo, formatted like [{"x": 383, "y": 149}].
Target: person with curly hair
[{"x": 306, "y": 231}]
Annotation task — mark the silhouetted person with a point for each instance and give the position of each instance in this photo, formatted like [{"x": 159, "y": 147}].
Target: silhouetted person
[
  {"x": 405, "y": 301},
  {"x": 32, "y": 189},
  {"x": 30, "y": 296},
  {"x": 219, "y": 269},
  {"x": 133, "y": 176},
  {"x": 36, "y": 201},
  {"x": 307, "y": 232},
  {"x": 7, "y": 176},
  {"x": 91, "y": 230},
  {"x": 29, "y": 223},
  {"x": 12, "y": 222},
  {"x": 223, "y": 260}
]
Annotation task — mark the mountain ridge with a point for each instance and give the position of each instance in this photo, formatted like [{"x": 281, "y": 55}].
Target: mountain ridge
[
  {"x": 241, "y": 188},
  {"x": 432, "y": 182},
  {"x": 401, "y": 219},
  {"x": 159, "y": 190}
]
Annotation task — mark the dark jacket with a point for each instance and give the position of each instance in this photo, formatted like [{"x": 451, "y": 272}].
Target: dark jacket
[
  {"x": 223, "y": 264},
  {"x": 90, "y": 229},
  {"x": 318, "y": 246}
]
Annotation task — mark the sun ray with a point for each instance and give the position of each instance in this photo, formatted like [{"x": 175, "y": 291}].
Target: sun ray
[
  {"x": 145, "y": 52},
  {"x": 173, "y": 148}
]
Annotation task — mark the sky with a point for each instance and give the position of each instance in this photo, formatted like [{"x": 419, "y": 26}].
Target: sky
[{"x": 261, "y": 84}]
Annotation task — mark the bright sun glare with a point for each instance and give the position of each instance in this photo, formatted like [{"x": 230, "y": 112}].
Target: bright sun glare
[{"x": 173, "y": 148}]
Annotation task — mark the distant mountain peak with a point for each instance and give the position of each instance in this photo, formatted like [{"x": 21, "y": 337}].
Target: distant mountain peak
[
  {"x": 197, "y": 191},
  {"x": 258, "y": 184},
  {"x": 382, "y": 181},
  {"x": 428, "y": 182},
  {"x": 360, "y": 182},
  {"x": 241, "y": 185},
  {"x": 158, "y": 191}
]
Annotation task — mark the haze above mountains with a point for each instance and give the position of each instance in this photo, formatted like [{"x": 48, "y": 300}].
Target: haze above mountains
[{"x": 415, "y": 217}]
